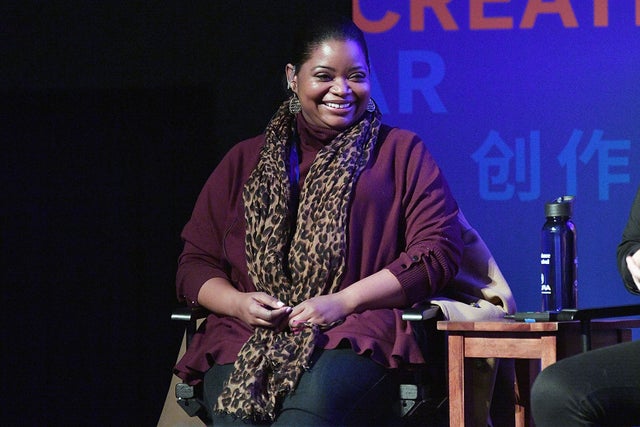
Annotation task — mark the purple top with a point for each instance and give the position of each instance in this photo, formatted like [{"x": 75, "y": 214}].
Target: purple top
[{"x": 402, "y": 218}]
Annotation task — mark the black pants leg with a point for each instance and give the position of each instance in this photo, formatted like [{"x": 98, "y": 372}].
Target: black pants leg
[
  {"x": 341, "y": 389},
  {"x": 600, "y": 387}
]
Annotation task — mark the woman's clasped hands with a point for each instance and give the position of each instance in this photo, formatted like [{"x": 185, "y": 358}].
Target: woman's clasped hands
[{"x": 259, "y": 309}]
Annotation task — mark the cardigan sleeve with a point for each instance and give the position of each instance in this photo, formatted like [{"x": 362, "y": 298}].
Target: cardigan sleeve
[
  {"x": 206, "y": 252},
  {"x": 629, "y": 244},
  {"x": 433, "y": 235}
]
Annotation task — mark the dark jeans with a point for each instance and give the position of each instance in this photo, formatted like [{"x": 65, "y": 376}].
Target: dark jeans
[
  {"x": 341, "y": 389},
  {"x": 600, "y": 387}
]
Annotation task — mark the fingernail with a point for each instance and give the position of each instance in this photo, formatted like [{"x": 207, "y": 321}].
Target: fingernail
[{"x": 280, "y": 304}]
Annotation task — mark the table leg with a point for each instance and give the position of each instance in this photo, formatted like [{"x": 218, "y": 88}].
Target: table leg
[
  {"x": 548, "y": 351},
  {"x": 456, "y": 380}
]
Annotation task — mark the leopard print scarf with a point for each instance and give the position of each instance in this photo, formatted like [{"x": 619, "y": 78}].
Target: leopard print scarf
[{"x": 271, "y": 362}]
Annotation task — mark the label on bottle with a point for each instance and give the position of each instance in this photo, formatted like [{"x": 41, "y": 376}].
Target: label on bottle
[{"x": 545, "y": 288}]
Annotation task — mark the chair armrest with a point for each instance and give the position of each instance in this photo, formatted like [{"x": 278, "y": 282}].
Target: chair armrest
[
  {"x": 188, "y": 314},
  {"x": 420, "y": 313},
  {"x": 191, "y": 315},
  {"x": 424, "y": 318}
]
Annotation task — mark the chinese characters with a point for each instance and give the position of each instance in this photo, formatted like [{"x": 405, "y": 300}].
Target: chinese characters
[{"x": 513, "y": 170}]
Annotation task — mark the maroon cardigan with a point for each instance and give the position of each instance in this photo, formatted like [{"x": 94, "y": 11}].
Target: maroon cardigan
[{"x": 402, "y": 217}]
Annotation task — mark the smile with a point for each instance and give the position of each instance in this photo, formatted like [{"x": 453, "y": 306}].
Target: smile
[{"x": 338, "y": 106}]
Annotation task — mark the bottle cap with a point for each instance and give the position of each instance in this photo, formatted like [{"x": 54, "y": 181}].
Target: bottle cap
[{"x": 561, "y": 206}]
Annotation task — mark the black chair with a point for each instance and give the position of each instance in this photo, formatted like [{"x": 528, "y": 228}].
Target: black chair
[
  {"x": 423, "y": 388},
  {"x": 189, "y": 397}
]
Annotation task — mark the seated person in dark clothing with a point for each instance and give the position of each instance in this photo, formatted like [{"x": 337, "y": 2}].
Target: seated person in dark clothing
[{"x": 600, "y": 387}]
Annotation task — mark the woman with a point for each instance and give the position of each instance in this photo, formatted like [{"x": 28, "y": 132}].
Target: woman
[
  {"x": 600, "y": 387},
  {"x": 304, "y": 243}
]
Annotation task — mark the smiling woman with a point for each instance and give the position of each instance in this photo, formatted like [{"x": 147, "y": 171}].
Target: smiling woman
[
  {"x": 332, "y": 85},
  {"x": 304, "y": 244}
]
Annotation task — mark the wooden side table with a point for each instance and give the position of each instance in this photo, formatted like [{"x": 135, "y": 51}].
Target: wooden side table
[{"x": 534, "y": 346}]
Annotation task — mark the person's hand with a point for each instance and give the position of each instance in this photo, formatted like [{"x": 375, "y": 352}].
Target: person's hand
[
  {"x": 633, "y": 264},
  {"x": 259, "y": 309},
  {"x": 322, "y": 310}
]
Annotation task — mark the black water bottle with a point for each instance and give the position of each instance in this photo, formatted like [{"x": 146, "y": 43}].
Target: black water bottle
[{"x": 558, "y": 256}]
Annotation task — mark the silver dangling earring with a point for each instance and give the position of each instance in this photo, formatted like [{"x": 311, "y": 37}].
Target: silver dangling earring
[
  {"x": 371, "y": 106},
  {"x": 294, "y": 105}
]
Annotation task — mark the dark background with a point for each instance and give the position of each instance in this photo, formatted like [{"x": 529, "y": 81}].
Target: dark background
[{"x": 113, "y": 114}]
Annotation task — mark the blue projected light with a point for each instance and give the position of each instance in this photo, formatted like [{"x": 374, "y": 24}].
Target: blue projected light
[{"x": 519, "y": 103}]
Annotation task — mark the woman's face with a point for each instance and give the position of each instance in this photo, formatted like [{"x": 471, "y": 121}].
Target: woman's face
[{"x": 333, "y": 84}]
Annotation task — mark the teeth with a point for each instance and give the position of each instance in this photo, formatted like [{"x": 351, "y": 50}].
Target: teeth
[{"x": 338, "y": 106}]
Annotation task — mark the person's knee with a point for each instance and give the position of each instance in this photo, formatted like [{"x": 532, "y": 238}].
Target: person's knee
[
  {"x": 553, "y": 392},
  {"x": 342, "y": 388}
]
